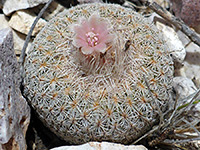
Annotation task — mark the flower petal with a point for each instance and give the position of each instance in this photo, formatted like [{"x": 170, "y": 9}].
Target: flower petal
[
  {"x": 82, "y": 28},
  {"x": 85, "y": 25},
  {"x": 87, "y": 50},
  {"x": 97, "y": 24},
  {"x": 93, "y": 21},
  {"x": 101, "y": 47},
  {"x": 102, "y": 27},
  {"x": 79, "y": 31},
  {"x": 78, "y": 42},
  {"x": 105, "y": 37}
]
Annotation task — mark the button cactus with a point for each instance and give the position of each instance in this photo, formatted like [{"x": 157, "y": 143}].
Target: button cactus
[{"x": 84, "y": 74}]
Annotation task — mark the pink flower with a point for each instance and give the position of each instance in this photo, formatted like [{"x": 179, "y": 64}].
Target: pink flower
[{"x": 92, "y": 35}]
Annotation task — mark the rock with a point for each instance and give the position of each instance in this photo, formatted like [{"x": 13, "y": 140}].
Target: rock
[
  {"x": 89, "y": 1},
  {"x": 190, "y": 68},
  {"x": 14, "y": 5},
  {"x": 191, "y": 71},
  {"x": 191, "y": 65},
  {"x": 1, "y": 6},
  {"x": 188, "y": 11},
  {"x": 193, "y": 48},
  {"x": 18, "y": 37},
  {"x": 4, "y": 21},
  {"x": 183, "y": 86},
  {"x": 175, "y": 45},
  {"x": 19, "y": 40},
  {"x": 197, "y": 107},
  {"x": 197, "y": 29},
  {"x": 101, "y": 146},
  {"x": 22, "y": 21},
  {"x": 184, "y": 38},
  {"x": 53, "y": 9},
  {"x": 163, "y": 3},
  {"x": 171, "y": 37},
  {"x": 14, "y": 111}
]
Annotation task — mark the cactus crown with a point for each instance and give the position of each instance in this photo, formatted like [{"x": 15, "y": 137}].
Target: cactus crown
[{"x": 85, "y": 74}]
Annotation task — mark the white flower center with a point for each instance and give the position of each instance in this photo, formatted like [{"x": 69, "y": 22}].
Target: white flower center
[{"x": 92, "y": 38}]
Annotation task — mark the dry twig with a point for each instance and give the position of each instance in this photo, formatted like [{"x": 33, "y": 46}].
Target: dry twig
[
  {"x": 178, "y": 23},
  {"x": 171, "y": 121}
]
